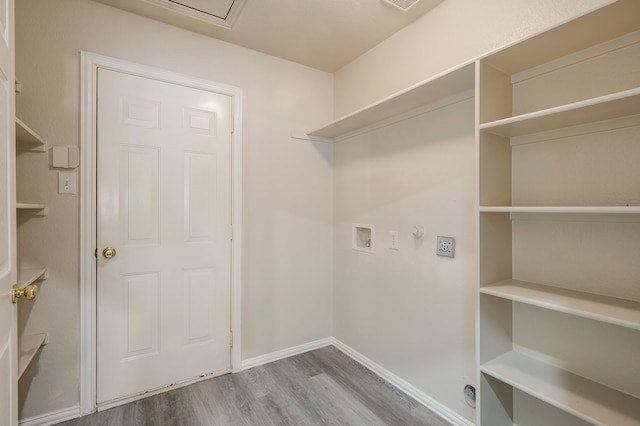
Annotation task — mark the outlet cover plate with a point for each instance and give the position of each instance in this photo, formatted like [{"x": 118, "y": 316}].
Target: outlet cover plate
[
  {"x": 446, "y": 246},
  {"x": 393, "y": 240}
]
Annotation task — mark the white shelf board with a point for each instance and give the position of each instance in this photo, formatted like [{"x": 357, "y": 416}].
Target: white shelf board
[
  {"x": 562, "y": 209},
  {"x": 27, "y": 139},
  {"x": 621, "y": 312},
  {"x": 34, "y": 209},
  {"x": 583, "y": 398},
  {"x": 436, "y": 88},
  {"x": 27, "y": 348},
  {"x": 615, "y": 105},
  {"x": 28, "y": 276},
  {"x": 607, "y": 23}
]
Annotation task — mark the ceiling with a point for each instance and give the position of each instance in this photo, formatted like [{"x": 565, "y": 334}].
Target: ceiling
[{"x": 323, "y": 34}]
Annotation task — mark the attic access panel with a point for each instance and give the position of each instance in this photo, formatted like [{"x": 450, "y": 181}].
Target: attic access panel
[
  {"x": 403, "y": 5},
  {"x": 218, "y": 12}
]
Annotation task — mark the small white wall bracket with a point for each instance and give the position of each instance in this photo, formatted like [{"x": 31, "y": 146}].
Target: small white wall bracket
[{"x": 64, "y": 157}]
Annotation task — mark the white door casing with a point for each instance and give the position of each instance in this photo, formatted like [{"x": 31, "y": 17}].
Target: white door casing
[
  {"x": 164, "y": 203},
  {"x": 8, "y": 271},
  {"x": 90, "y": 63}
]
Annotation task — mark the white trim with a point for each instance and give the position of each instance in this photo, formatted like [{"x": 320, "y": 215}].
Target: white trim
[
  {"x": 435, "y": 406},
  {"x": 404, "y": 386},
  {"x": 90, "y": 62},
  {"x": 52, "y": 417},
  {"x": 285, "y": 353}
]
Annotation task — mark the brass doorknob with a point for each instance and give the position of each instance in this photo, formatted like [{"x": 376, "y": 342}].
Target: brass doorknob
[
  {"x": 30, "y": 292},
  {"x": 109, "y": 252}
]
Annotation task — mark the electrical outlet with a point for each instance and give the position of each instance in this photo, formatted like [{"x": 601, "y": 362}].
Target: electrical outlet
[{"x": 446, "y": 246}]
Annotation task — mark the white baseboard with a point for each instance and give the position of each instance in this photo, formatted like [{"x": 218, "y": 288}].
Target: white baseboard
[
  {"x": 443, "y": 411},
  {"x": 53, "y": 417},
  {"x": 285, "y": 353},
  {"x": 438, "y": 408},
  {"x": 409, "y": 389}
]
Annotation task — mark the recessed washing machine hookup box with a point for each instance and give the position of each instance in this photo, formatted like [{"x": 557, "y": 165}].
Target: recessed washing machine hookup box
[{"x": 362, "y": 237}]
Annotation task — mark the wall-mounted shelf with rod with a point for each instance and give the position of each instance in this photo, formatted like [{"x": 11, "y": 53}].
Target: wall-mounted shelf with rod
[
  {"x": 27, "y": 139},
  {"x": 434, "y": 89}
]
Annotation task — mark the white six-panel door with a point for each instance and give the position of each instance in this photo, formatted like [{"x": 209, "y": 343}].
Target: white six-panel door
[
  {"x": 164, "y": 205},
  {"x": 8, "y": 318}
]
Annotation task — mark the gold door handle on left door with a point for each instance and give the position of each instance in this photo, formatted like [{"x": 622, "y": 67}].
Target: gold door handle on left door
[
  {"x": 109, "y": 252},
  {"x": 30, "y": 292}
]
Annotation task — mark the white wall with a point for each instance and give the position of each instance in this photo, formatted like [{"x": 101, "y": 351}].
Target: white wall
[
  {"x": 454, "y": 32},
  {"x": 287, "y": 184},
  {"x": 409, "y": 310}
]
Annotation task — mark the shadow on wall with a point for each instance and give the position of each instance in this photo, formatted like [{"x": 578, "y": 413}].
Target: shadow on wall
[{"x": 398, "y": 161}]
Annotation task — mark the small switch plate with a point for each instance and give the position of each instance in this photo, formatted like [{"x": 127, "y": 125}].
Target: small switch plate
[
  {"x": 446, "y": 246},
  {"x": 393, "y": 240},
  {"x": 66, "y": 183}
]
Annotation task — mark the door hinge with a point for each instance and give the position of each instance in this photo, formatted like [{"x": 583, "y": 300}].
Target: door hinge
[{"x": 231, "y": 339}]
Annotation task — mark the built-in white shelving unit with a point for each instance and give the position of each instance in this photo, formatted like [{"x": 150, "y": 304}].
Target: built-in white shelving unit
[
  {"x": 31, "y": 209},
  {"x": 634, "y": 210},
  {"x": 607, "y": 107},
  {"x": 28, "y": 347},
  {"x": 28, "y": 276},
  {"x": 558, "y": 149},
  {"x": 27, "y": 139},
  {"x": 586, "y": 399},
  {"x": 558, "y": 218},
  {"x": 625, "y": 313}
]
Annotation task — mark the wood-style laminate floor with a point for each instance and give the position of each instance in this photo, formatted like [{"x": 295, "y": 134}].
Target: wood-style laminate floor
[{"x": 321, "y": 387}]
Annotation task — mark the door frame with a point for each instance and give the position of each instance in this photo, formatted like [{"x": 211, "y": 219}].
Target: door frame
[{"x": 90, "y": 62}]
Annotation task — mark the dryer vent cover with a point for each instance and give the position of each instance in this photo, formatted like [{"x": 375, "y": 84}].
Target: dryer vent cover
[{"x": 403, "y": 5}]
